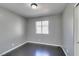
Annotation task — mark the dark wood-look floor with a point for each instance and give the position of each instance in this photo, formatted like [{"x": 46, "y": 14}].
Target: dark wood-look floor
[{"x": 31, "y": 49}]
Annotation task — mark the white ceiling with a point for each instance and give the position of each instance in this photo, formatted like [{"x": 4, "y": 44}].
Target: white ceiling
[{"x": 43, "y": 9}]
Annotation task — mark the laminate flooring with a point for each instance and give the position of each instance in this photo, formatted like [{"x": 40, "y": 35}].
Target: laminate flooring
[{"x": 33, "y": 49}]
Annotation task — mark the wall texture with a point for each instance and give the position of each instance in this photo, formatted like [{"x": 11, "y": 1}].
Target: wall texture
[
  {"x": 67, "y": 28},
  {"x": 54, "y": 36},
  {"x": 12, "y": 30}
]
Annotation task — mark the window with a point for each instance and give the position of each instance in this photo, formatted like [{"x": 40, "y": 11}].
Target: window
[
  {"x": 42, "y": 27},
  {"x": 38, "y": 27}
]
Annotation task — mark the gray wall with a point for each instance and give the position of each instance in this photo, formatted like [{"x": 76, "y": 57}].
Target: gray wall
[
  {"x": 54, "y": 36},
  {"x": 12, "y": 30},
  {"x": 67, "y": 28}
]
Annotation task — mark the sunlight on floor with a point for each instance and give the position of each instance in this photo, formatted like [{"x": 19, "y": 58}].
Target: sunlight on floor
[{"x": 40, "y": 52}]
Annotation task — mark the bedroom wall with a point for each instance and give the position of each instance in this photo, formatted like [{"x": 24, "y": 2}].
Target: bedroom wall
[
  {"x": 54, "y": 36},
  {"x": 67, "y": 30},
  {"x": 13, "y": 29}
]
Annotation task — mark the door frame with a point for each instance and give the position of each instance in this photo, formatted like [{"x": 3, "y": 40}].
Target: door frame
[{"x": 75, "y": 28}]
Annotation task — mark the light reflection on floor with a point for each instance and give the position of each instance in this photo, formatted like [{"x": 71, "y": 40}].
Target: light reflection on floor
[
  {"x": 40, "y": 52},
  {"x": 31, "y": 49}
]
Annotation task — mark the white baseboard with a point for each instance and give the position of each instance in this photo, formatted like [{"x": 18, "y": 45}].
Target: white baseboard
[
  {"x": 64, "y": 51},
  {"x": 43, "y": 43},
  {"x": 31, "y": 42}
]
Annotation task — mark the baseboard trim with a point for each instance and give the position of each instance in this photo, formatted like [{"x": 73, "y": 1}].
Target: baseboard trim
[
  {"x": 31, "y": 42},
  {"x": 43, "y": 43},
  {"x": 64, "y": 51}
]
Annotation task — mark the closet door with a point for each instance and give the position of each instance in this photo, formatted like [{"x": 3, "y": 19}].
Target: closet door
[{"x": 76, "y": 32}]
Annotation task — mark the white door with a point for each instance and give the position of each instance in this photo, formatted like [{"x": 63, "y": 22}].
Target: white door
[{"x": 76, "y": 32}]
